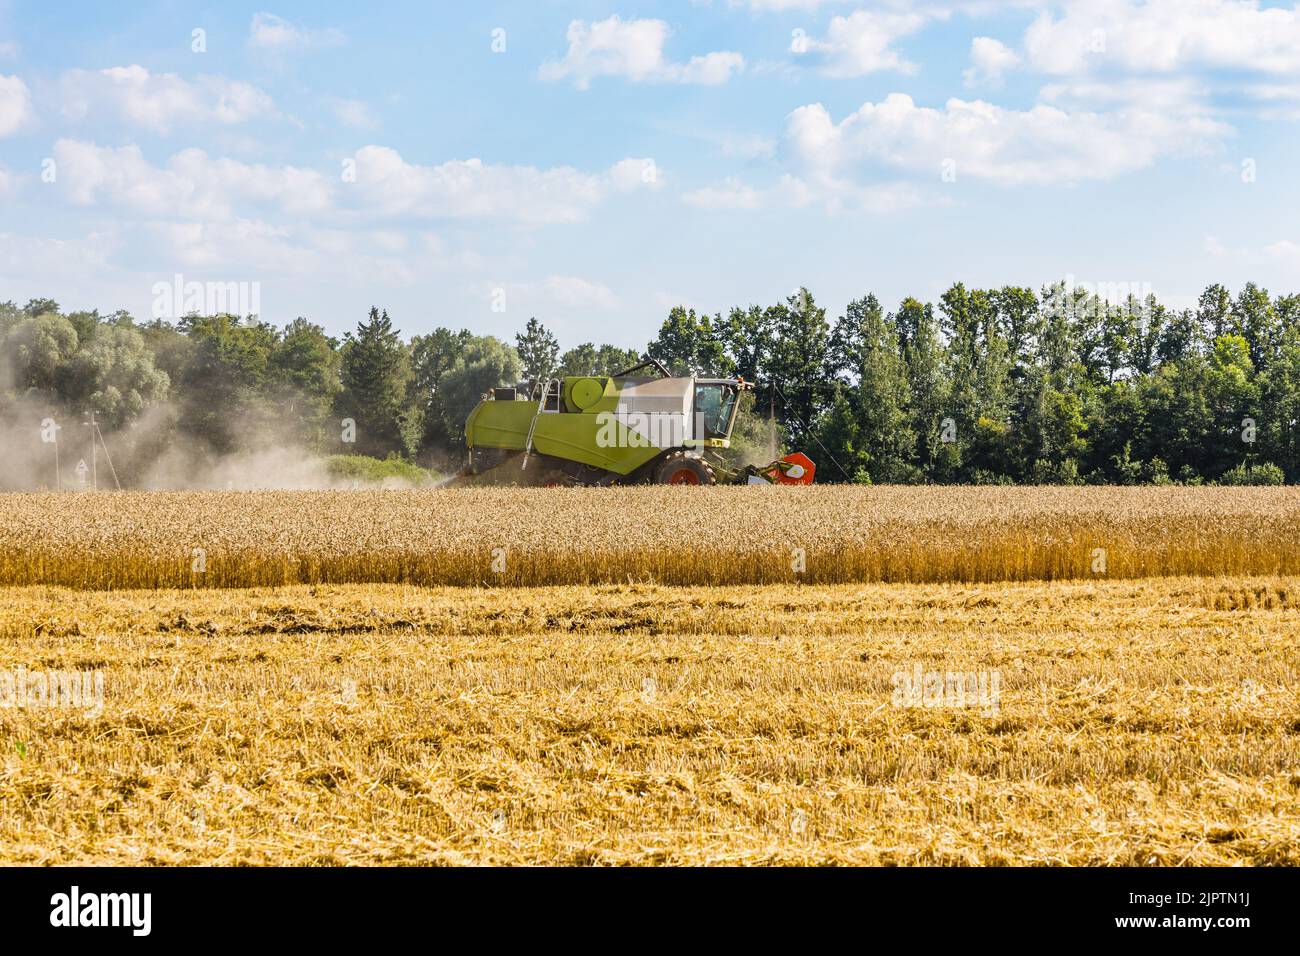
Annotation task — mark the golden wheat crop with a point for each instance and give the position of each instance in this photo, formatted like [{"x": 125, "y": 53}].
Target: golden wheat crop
[
  {"x": 1140, "y": 722},
  {"x": 665, "y": 535}
]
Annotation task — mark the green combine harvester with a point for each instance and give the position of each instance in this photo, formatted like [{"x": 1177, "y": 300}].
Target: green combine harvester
[{"x": 641, "y": 426}]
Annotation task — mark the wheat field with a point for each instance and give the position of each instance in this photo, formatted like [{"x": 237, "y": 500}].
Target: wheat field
[
  {"x": 647, "y": 677},
  {"x": 719, "y": 536}
]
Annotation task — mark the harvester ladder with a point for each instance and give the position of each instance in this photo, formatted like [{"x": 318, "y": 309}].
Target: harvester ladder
[{"x": 532, "y": 426}]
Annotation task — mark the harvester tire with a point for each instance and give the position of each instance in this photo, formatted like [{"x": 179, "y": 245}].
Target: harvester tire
[{"x": 680, "y": 468}]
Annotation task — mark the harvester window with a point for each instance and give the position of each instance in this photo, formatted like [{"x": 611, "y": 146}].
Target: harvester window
[{"x": 713, "y": 407}]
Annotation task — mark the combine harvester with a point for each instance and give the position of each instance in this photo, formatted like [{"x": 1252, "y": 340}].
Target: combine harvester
[{"x": 628, "y": 428}]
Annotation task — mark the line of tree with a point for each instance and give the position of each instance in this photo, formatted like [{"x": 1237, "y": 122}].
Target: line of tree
[{"x": 984, "y": 386}]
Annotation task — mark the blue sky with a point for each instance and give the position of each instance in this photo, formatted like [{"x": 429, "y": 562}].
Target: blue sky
[{"x": 614, "y": 160}]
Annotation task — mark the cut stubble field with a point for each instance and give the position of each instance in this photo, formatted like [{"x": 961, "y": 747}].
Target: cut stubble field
[{"x": 1137, "y": 721}]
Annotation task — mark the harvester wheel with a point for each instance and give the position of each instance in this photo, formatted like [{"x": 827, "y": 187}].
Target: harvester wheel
[{"x": 680, "y": 468}]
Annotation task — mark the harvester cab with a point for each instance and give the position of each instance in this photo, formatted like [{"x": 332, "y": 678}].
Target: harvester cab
[{"x": 642, "y": 425}]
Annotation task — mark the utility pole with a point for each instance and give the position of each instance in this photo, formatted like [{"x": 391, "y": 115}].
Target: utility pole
[
  {"x": 771, "y": 423},
  {"x": 97, "y": 439},
  {"x": 94, "y": 455},
  {"x": 107, "y": 457}
]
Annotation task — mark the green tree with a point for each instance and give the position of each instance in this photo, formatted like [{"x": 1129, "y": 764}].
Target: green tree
[
  {"x": 223, "y": 394},
  {"x": 878, "y": 437},
  {"x": 36, "y": 349},
  {"x": 485, "y": 363},
  {"x": 1214, "y": 313},
  {"x": 114, "y": 374},
  {"x": 538, "y": 351},
  {"x": 304, "y": 370},
  {"x": 431, "y": 356},
  {"x": 35, "y": 307},
  {"x": 690, "y": 345},
  {"x": 375, "y": 370},
  {"x": 1149, "y": 319},
  {"x": 1256, "y": 320},
  {"x": 978, "y": 368},
  {"x": 588, "y": 359},
  {"x": 929, "y": 404},
  {"x": 800, "y": 365}
]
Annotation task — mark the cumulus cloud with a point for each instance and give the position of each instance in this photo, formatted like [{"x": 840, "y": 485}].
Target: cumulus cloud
[
  {"x": 194, "y": 186},
  {"x": 1043, "y": 144},
  {"x": 835, "y": 194},
  {"x": 634, "y": 49},
  {"x": 191, "y": 185},
  {"x": 1165, "y": 36},
  {"x": 160, "y": 101},
  {"x": 270, "y": 32},
  {"x": 463, "y": 189},
  {"x": 862, "y": 42},
  {"x": 782, "y": 5},
  {"x": 989, "y": 59},
  {"x": 1180, "y": 96},
  {"x": 15, "y": 104}
]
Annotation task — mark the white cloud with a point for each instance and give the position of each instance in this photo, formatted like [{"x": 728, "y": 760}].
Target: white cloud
[
  {"x": 269, "y": 32},
  {"x": 470, "y": 188},
  {"x": 159, "y": 101},
  {"x": 354, "y": 113},
  {"x": 1285, "y": 250},
  {"x": 747, "y": 147},
  {"x": 989, "y": 59},
  {"x": 1181, "y": 97},
  {"x": 861, "y": 42},
  {"x": 554, "y": 293},
  {"x": 634, "y": 49},
  {"x": 24, "y": 258},
  {"x": 575, "y": 293},
  {"x": 15, "y": 104},
  {"x": 1044, "y": 144},
  {"x": 254, "y": 249},
  {"x": 192, "y": 185},
  {"x": 732, "y": 194},
  {"x": 836, "y": 195},
  {"x": 782, "y": 5},
  {"x": 1274, "y": 91},
  {"x": 971, "y": 7},
  {"x": 1158, "y": 36}
]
